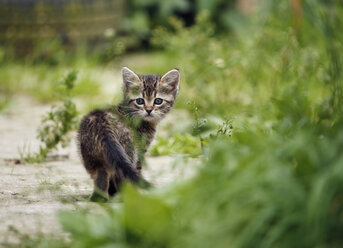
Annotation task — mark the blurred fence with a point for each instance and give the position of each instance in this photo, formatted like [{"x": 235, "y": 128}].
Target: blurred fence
[{"x": 28, "y": 21}]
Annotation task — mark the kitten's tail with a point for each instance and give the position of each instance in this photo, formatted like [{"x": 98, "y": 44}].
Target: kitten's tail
[{"x": 116, "y": 157}]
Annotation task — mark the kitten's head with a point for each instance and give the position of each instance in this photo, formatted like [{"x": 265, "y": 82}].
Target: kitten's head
[{"x": 150, "y": 97}]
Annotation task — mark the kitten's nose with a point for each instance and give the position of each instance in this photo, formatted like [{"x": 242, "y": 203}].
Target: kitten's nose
[{"x": 149, "y": 110}]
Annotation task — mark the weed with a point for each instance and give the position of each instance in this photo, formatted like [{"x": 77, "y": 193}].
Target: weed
[
  {"x": 27, "y": 241},
  {"x": 199, "y": 124},
  {"x": 58, "y": 122},
  {"x": 180, "y": 143}
]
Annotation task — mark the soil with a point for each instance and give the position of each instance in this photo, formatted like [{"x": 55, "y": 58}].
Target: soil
[{"x": 32, "y": 194}]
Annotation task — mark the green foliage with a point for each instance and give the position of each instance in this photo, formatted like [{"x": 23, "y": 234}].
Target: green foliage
[
  {"x": 146, "y": 15},
  {"x": 272, "y": 173},
  {"x": 239, "y": 73},
  {"x": 192, "y": 144},
  {"x": 180, "y": 143},
  {"x": 40, "y": 81},
  {"x": 58, "y": 122},
  {"x": 277, "y": 182},
  {"x": 257, "y": 191}
]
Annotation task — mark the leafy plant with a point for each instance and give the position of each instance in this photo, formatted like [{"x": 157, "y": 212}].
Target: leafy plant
[
  {"x": 58, "y": 122},
  {"x": 180, "y": 143}
]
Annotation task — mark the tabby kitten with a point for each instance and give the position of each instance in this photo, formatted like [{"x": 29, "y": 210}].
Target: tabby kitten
[{"x": 112, "y": 142}]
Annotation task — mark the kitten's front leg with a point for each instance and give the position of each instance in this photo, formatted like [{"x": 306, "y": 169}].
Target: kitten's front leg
[
  {"x": 139, "y": 165},
  {"x": 141, "y": 159}
]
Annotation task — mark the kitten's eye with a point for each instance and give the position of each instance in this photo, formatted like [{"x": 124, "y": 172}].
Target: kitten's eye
[
  {"x": 140, "y": 101},
  {"x": 158, "y": 101}
]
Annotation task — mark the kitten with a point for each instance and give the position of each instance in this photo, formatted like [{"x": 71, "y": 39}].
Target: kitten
[{"x": 113, "y": 142}]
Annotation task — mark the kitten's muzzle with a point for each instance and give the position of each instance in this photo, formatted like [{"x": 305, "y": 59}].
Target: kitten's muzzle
[{"x": 148, "y": 110}]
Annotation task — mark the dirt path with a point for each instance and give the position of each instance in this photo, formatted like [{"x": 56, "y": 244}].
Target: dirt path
[{"x": 32, "y": 194}]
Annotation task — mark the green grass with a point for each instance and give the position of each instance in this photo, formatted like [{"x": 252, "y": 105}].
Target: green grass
[
  {"x": 273, "y": 177},
  {"x": 180, "y": 143},
  {"x": 266, "y": 103},
  {"x": 41, "y": 81}
]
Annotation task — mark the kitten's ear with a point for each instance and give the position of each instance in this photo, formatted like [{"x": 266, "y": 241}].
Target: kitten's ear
[
  {"x": 130, "y": 79},
  {"x": 170, "y": 81}
]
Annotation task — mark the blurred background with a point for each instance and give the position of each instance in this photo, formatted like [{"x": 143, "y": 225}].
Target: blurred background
[
  {"x": 260, "y": 109},
  {"x": 87, "y": 35},
  {"x": 94, "y": 24}
]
